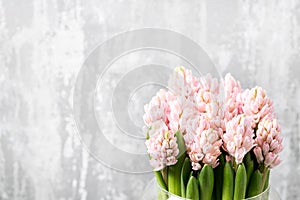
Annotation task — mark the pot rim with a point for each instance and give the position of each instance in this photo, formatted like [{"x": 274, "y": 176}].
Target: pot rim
[{"x": 169, "y": 193}]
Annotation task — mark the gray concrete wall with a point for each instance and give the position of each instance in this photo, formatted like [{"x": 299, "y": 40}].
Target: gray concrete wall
[{"x": 43, "y": 44}]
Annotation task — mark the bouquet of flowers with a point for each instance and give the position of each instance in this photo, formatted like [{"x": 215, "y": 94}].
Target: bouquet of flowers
[{"x": 211, "y": 140}]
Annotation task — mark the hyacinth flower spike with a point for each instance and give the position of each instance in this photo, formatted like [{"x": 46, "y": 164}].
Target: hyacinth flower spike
[
  {"x": 257, "y": 105},
  {"x": 238, "y": 141},
  {"x": 204, "y": 152},
  {"x": 233, "y": 97},
  {"x": 268, "y": 146}
]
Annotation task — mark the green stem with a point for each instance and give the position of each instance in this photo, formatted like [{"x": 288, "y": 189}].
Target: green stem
[
  {"x": 255, "y": 184},
  {"x": 218, "y": 171},
  {"x": 235, "y": 166},
  {"x": 185, "y": 175},
  {"x": 174, "y": 171},
  {"x": 249, "y": 170},
  {"x": 267, "y": 181},
  {"x": 174, "y": 178},
  {"x": 264, "y": 178},
  {"x": 164, "y": 173}
]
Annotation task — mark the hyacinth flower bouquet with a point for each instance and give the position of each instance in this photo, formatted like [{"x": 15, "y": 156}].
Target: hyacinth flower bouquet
[{"x": 210, "y": 139}]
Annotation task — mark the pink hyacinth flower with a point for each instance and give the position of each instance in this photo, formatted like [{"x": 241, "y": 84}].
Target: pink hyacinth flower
[
  {"x": 207, "y": 93},
  {"x": 205, "y": 145},
  {"x": 189, "y": 113},
  {"x": 268, "y": 143},
  {"x": 162, "y": 149},
  {"x": 195, "y": 123},
  {"x": 183, "y": 83},
  {"x": 163, "y": 106},
  {"x": 233, "y": 97},
  {"x": 208, "y": 83},
  {"x": 238, "y": 139},
  {"x": 175, "y": 109},
  {"x": 208, "y": 102},
  {"x": 161, "y": 117},
  {"x": 257, "y": 105},
  {"x": 156, "y": 109}
]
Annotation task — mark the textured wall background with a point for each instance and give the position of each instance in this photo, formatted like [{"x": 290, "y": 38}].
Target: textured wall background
[{"x": 42, "y": 46}]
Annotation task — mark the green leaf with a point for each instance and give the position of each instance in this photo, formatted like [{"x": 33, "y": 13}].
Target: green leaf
[
  {"x": 249, "y": 164},
  {"x": 192, "y": 190},
  {"x": 174, "y": 179},
  {"x": 174, "y": 171},
  {"x": 160, "y": 180},
  {"x": 267, "y": 180},
  {"x": 161, "y": 194},
  {"x": 228, "y": 182},
  {"x": 181, "y": 145},
  {"x": 247, "y": 158},
  {"x": 255, "y": 184},
  {"x": 185, "y": 175},
  {"x": 206, "y": 182},
  {"x": 249, "y": 169},
  {"x": 219, "y": 178},
  {"x": 240, "y": 183}
]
